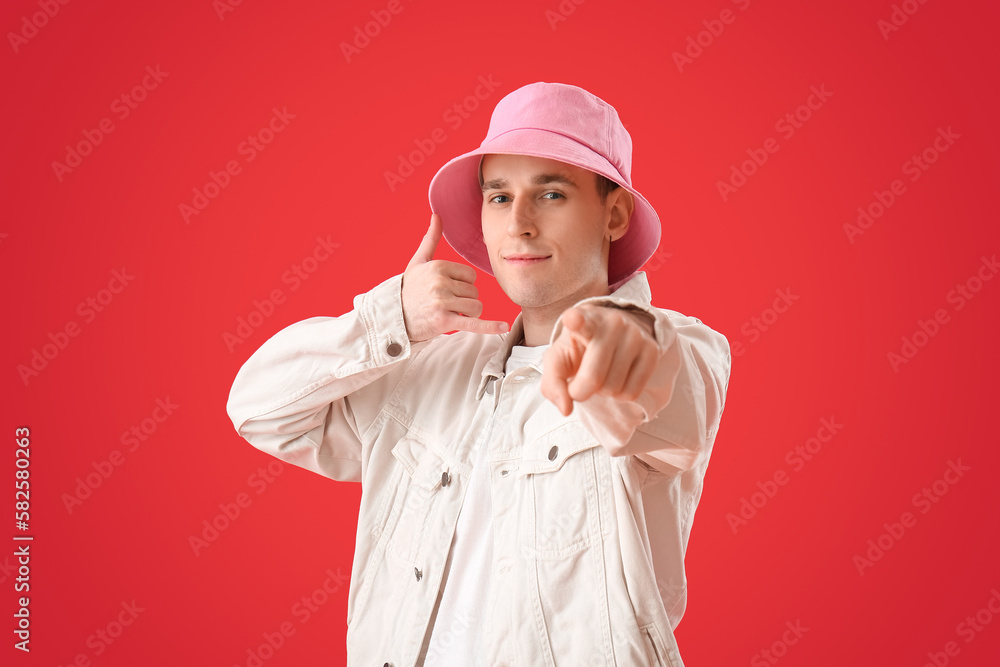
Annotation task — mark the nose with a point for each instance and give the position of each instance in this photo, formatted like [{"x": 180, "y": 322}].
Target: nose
[{"x": 523, "y": 213}]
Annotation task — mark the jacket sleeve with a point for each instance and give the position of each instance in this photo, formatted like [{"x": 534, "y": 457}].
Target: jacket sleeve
[
  {"x": 310, "y": 393},
  {"x": 673, "y": 422}
]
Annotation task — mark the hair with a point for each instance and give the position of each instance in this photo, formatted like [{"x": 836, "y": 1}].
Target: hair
[{"x": 605, "y": 186}]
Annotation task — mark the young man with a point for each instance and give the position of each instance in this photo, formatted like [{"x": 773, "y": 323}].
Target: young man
[{"x": 527, "y": 497}]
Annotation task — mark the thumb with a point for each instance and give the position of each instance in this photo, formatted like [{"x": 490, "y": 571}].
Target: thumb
[{"x": 425, "y": 252}]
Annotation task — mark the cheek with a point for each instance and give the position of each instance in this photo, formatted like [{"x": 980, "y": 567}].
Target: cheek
[
  {"x": 489, "y": 235},
  {"x": 490, "y": 239},
  {"x": 587, "y": 238}
]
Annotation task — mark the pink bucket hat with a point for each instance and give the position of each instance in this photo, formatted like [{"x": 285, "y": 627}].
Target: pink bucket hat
[{"x": 559, "y": 122}]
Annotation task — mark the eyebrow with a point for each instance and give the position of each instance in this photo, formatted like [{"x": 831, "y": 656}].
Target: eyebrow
[{"x": 537, "y": 179}]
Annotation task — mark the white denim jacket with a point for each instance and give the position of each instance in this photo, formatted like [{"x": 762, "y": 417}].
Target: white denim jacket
[{"x": 592, "y": 512}]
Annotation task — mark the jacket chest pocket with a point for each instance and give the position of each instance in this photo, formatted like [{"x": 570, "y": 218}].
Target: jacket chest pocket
[
  {"x": 405, "y": 497},
  {"x": 424, "y": 472},
  {"x": 565, "y": 476}
]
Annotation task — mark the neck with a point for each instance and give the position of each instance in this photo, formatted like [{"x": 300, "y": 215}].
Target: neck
[{"x": 539, "y": 322}]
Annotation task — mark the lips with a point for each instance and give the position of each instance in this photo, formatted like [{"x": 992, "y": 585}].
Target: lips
[{"x": 526, "y": 258}]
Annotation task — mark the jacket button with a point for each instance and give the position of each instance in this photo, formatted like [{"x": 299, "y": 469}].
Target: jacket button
[
  {"x": 553, "y": 453},
  {"x": 417, "y": 573},
  {"x": 445, "y": 478},
  {"x": 394, "y": 349}
]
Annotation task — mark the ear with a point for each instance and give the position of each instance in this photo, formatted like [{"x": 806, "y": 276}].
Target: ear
[{"x": 620, "y": 206}]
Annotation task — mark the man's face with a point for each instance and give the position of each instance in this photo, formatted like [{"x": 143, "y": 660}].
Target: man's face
[{"x": 546, "y": 230}]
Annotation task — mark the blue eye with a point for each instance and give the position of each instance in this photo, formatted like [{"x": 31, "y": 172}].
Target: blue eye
[
  {"x": 552, "y": 193},
  {"x": 497, "y": 197}
]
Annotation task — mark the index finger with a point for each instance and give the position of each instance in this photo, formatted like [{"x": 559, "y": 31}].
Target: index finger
[
  {"x": 558, "y": 368},
  {"x": 458, "y": 271}
]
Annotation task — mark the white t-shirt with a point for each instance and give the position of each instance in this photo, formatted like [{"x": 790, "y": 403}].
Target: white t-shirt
[{"x": 456, "y": 639}]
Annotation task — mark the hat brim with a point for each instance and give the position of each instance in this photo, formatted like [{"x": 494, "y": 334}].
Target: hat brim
[{"x": 455, "y": 195}]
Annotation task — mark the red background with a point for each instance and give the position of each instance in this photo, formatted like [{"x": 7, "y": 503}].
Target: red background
[{"x": 323, "y": 175}]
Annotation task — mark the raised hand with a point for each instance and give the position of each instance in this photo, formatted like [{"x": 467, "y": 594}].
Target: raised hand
[{"x": 439, "y": 296}]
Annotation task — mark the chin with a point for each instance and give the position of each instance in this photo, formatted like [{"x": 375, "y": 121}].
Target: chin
[{"x": 528, "y": 296}]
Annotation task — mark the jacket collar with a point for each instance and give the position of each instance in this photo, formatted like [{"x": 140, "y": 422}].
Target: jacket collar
[{"x": 633, "y": 290}]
